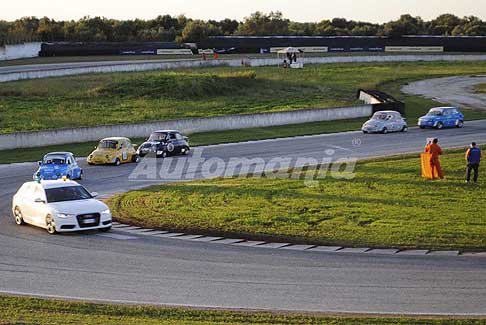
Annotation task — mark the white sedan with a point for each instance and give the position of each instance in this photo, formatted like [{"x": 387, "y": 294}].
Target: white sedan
[{"x": 60, "y": 206}]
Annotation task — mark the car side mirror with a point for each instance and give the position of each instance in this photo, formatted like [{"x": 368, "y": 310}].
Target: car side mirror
[
  {"x": 94, "y": 194},
  {"x": 39, "y": 200}
]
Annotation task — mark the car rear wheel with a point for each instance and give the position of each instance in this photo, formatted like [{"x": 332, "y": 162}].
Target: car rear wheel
[
  {"x": 80, "y": 175},
  {"x": 105, "y": 229},
  {"x": 439, "y": 125},
  {"x": 50, "y": 225},
  {"x": 162, "y": 155},
  {"x": 19, "y": 219},
  {"x": 117, "y": 162}
]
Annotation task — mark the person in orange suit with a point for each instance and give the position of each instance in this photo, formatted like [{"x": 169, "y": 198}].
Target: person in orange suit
[{"x": 435, "y": 152}]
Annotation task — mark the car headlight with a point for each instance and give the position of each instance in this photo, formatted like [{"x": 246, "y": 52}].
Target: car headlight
[
  {"x": 107, "y": 211},
  {"x": 65, "y": 215}
]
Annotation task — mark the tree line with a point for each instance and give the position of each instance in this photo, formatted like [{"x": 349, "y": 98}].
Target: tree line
[{"x": 167, "y": 28}]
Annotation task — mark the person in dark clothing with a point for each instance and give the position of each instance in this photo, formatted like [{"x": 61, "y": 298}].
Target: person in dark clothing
[{"x": 473, "y": 158}]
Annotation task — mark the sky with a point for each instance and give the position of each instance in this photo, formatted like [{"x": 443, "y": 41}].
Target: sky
[{"x": 377, "y": 11}]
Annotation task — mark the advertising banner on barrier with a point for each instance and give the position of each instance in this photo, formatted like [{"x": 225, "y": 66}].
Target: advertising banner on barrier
[
  {"x": 305, "y": 49},
  {"x": 417, "y": 49},
  {"x": 174, "y": 52}
]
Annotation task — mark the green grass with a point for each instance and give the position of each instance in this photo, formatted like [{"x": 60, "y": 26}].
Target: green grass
[
  {"x": 98, "y": 99},
  {"x": 387, "y": 204},
  {"x": 196, "y": 139},
  {"x": 481, "y": 88},
  {"x": 26, "y": 311}
]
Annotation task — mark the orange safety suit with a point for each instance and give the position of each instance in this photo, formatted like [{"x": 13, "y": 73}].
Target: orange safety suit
[{"x": 435, "y": 151}]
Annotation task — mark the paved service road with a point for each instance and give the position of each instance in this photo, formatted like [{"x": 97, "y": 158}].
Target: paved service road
[
  {"x": 170, "y": 271},
  {"x": 452, "y": 90}
]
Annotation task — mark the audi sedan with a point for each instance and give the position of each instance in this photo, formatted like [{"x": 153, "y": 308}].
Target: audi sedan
[{"x": 60, "y": 206}]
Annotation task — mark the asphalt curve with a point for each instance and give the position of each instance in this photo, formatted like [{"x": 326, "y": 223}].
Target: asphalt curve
[{"x": 150, "y": 270}]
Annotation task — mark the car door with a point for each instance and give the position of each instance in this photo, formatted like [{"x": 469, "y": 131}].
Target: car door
[
  {"x": 449, "y": 120},
  {"x": 38, "y": 208},
  {"x": 26, "y": 195},
  {"x": 172, "y": 143},
  {"x": 70, "y": 167},
  {"x": 124, "y": 151}
]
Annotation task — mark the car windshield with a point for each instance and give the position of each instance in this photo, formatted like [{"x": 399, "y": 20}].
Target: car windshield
[
  {"x": 107, "y": 144},
  {"x": 435, "y": 113},
  {"x": 379, "y": 116},
  {"x": 54, "y": 159},
  {"x": 158, "y": 136},
  {"x": 68, "y": 193}
]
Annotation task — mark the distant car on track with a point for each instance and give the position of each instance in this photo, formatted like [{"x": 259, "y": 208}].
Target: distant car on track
[
  {"x": 442, "y": 117},
  {"x": 114, "y": 151},
  {"x": 60, "y": 206},
  {"x": 56, "y": 165},
  {"x": 165, "y": 143},
  {"x": 385, "y": 122}
]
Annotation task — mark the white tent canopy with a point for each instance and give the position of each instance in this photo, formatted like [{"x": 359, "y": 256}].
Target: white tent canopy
[{"x": 294, "y": 55}]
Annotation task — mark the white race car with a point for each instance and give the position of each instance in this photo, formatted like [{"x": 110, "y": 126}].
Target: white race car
[{"x": 60, "y": 206}]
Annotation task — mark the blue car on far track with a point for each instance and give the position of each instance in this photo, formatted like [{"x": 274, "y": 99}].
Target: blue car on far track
[
  {"x": 56, "y": 165},
  {"x": 442, "y": 117}
]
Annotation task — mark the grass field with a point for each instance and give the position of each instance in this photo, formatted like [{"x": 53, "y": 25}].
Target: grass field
[
  {"x": 480, "y": 88},
  {"x": 196, "y": 139},
  {"x": 27, "y": 311},
  {"x": 90, "y": 100},
  {"x": 387, "y": 204}
]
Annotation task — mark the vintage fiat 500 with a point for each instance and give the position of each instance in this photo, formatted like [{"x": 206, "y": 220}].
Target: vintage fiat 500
[
  {"x": 113, "y": 151},
  {"x": 56, "y": 165},
  {"x": 384, "y": 122}
]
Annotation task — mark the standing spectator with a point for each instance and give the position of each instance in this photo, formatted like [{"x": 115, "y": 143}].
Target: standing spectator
[
  {"x": 435, "y": 152},
  {"x": 204, "y": 56},
  {"x": 216, "y": 55},
  {"x": 473, "y": 158}
]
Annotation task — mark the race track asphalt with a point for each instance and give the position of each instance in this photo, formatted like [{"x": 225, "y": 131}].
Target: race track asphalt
[{"x": 151, "y": 270}]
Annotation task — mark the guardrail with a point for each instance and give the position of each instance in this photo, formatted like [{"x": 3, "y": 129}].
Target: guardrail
[
  {"x": 188, "y": 126},
  {"x": 57, "y": 70}
]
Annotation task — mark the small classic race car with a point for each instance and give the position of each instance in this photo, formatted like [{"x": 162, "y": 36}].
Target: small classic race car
[
  {"x": 442, "y": 117},
  {"x": 56, "y": 165},
  {"x": 384, "y": 122},
  {"x": 164, "y": 143},
  {"x": 115, "y": 151}
]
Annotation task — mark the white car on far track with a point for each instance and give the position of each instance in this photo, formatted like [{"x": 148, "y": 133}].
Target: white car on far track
[{"x": 60, "y": 206}]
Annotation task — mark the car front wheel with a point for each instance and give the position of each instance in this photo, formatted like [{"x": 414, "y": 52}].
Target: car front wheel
[
  {"x": 50, "y": 225},
  {"x": 384, "y": 131},
  {"x": 117, "y": 162},
  {"x": 105, "y": 229},
  {"x": 460, "y": 124},
  {"x": 404, "y": 129},
  {"x": 439, "y": 125},
  {"x": 19, "y": 219}
]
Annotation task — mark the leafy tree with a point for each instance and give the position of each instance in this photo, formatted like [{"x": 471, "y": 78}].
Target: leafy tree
[
  {"x": 198, "y": 31},
  {"x": 259, "y": 24}
]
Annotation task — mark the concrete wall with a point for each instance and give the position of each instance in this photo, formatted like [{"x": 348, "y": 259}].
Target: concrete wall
[
  {"x": 188, "y": 126},
  {"x": 55, "y": 70},
  {"x": 19, "y": 51}
]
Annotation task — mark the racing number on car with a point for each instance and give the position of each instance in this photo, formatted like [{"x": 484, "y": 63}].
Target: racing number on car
[{"x": 124, "y": 155}]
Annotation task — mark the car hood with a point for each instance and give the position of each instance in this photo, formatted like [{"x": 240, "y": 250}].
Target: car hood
[
  {"x": 103, "y": 152},
  {"x": 78, "y": 207},
  {"x": 373, "y": 123},
  {"x": 51, "y": 168}
]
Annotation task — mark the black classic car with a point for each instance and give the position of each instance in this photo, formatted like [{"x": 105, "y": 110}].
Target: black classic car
[{"x": 164, "y": 143}]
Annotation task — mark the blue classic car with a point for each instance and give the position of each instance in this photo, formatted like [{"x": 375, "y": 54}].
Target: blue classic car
[
  {"x": 442, "y": 117},
  {"x": 55, "y": 165}
]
